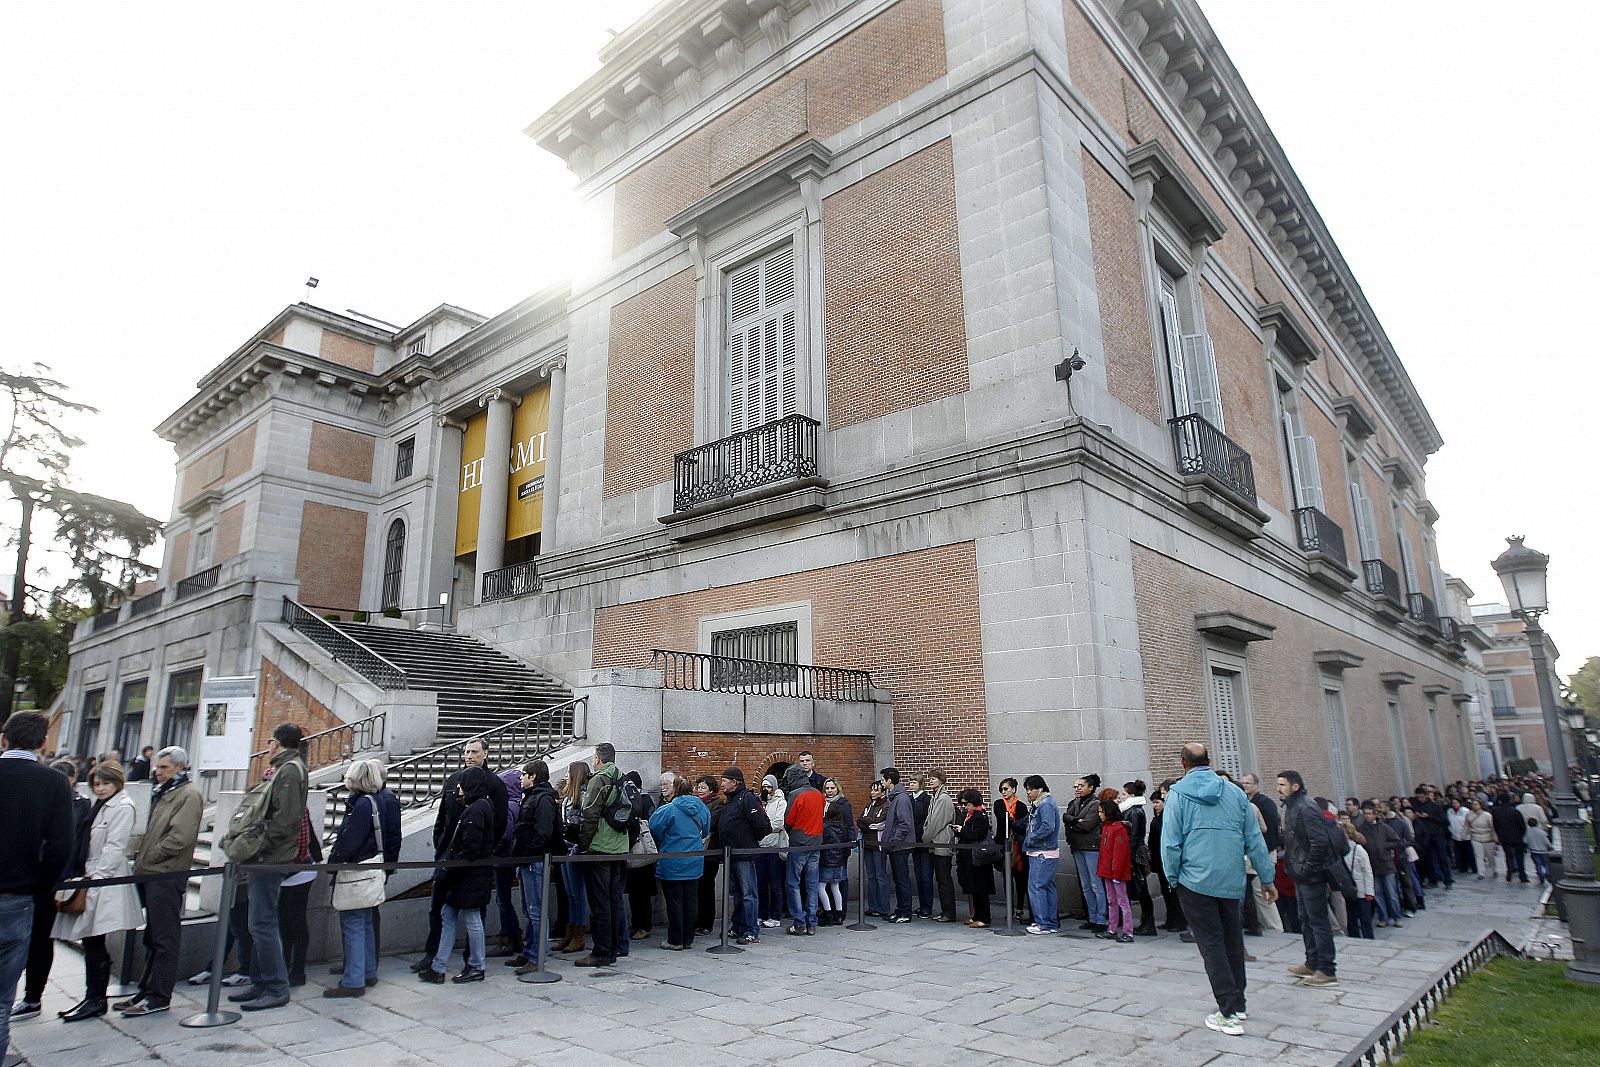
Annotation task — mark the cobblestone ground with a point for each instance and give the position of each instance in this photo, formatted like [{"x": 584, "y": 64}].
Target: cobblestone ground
[{"x": 918, "y": 995}]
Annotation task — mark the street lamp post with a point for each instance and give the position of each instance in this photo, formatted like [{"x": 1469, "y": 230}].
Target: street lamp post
[
  {"x": 1522, "y": 572},
  {"x": 1583, "y": 743}
]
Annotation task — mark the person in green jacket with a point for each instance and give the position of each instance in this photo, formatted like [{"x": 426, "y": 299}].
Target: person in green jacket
[{"x": 603, "y": 880}]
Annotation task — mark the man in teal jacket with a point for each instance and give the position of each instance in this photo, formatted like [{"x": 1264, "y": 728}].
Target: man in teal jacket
[{"x": 1208, "y": 829}]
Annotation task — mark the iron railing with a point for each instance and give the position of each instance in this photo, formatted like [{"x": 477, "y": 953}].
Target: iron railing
[
  {"x": 1382, "y": 1045},
  {"x": 1505, "y": 711},
  {"x": 507, "y": 583},
  {"x": 723, "y": 674},
  {"x": 333, "y": 745},
  {"x": 105, "y": 620},
  {"x": 1320, "y": 534},
  {"x": 419, "y": 780},
  {"x": 147, "y": 603},
  {"x": 1450, "y": 629},
  {"x": 1422, "y": 611},
  {"x": 1382, "y": 581},
  {"x": 773, "y": 452},
  {"x": 198, "y": 582},
  {"x": 1202, "y": 449},
  {"x": 344, "y": 648}
]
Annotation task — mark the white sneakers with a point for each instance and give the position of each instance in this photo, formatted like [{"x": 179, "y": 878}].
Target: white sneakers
[{"x": 1226, "y": 1024}]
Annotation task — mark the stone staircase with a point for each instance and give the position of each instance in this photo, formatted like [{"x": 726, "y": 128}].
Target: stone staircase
[{"x": 479, "y": 686}]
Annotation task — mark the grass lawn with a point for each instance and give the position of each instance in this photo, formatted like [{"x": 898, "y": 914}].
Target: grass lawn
[{"x": 1513, "y": 1013}]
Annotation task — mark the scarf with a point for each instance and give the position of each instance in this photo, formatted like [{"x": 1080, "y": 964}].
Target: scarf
[{"x": 163, "y": 788}]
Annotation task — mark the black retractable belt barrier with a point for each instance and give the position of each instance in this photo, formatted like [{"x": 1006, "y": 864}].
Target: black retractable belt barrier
[
  {"x": 861, "y": 925},
  {"x": 1009, "y": 929},
  {"x": 212, "y": 1016},
  {"x": 539, "y": 975},
  {"x": 727, "y": 900}
]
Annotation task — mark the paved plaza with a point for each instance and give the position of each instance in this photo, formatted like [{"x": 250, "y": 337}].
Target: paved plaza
[{"x": 919, "y": 995}]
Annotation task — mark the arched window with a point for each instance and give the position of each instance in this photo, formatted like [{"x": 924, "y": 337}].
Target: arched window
[{"x": 394, "y": 557}]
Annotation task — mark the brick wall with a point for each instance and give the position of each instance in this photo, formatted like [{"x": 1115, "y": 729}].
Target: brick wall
[
  {"x": 879, "y": 63},
  {"x": 894, "y": 312},
  {"x": 219, "y": 464},
  {"x": 911, "y": 619},
  {"x": 1120, "y": 286},
  {"x": 1248, "y": 405},
  {"x": 849, "y": 759},
  {"x": 230, "y": 525},
  {"x": 282, "y": 699},
  {"x": 333, "y": 548},
  {"x": 1330, "y": 462},
  {"x": 650, "y": 385},
  {"x": 336, "y": 450},
  {"x": 346, "y": 351},
  {"x": 1285, "y": 685}
]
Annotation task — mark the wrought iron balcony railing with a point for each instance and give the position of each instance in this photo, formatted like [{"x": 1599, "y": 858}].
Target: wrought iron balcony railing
[
  {"x": 1202, "y": 449},
  {"x": 1422, "y": 612},
  {"x": 1382, "y": 581},
  {"x": 773, "y": 452},
  {"x": 1505, "y": 711},
  {"x": 344, "y": 648},
  {"x": 105, "y": 620},
  {"x": 1320, "y": 534},
  {"x": 334, "y": 745},
  {"x": 146, "y": 604},
  {"x": 198, "y": 582},
  {"x": 1450, "y": 629},
  {"x": 723, "y": 674},
  {"x": 519, "y": 579}
]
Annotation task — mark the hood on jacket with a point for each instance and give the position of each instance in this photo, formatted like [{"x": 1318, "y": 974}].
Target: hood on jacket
[
  {"x": 476, "y": 783},
  {"x": 1201, "y": 785},
  {"x": 795, "y": 779},
  {"x": 512, "y": 777},
  {"x": 770, "y": 782},
  {"x": 1527, "y": 798}
]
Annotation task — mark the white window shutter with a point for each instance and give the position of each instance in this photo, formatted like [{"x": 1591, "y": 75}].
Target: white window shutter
[
  {"x": 1366, "y": 525},
  {"x": 763, "y": 372},
  {"x": 1200, "y": 372},
  {"x": 1408, "y": 564},
  {"x": 1225, "y": 750},
  {"x": 1308, "y": 476},
  {"x": 1333, "y": 725},
  {"x": 1174, "y": 346}
]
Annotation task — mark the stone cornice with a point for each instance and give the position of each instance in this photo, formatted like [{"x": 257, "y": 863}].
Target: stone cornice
[
  {"x": 1295, "y": 340},
  {"x": 1181, "y": 53},
  {"x": 1171, "y": 188},
  {"x": 808, "y": 159},
  {"x": 250, "y": 367}
]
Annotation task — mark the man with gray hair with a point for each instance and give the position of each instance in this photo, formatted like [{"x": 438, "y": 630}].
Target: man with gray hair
[{"x": 167, "y": 848}]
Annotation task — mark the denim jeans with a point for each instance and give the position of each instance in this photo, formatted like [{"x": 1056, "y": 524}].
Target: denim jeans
[
  {"x": 577, "y": 893},
  {"x": 1541, "y": 865},
  {"x": 877, "y": 881},
  {"x": 923, "y": 860},
  {"x": 269, "y": 973},
  {"x": 771, "y": 879},
  {"x": 473, "y": 920},
  {"x": 900, "y": 864},
  {"x": 1388, "y": 897},
  {"x": 745, "y": 918},
  {"x": 1515, "y": 855},
  {"x": 505, "y": 900},
  {"x": 360, "y": 947},
  {"x": 532, "y": 875},
  {"x": 1042, "y": 891},
  {"x": 16, "y": 928},
  {"x": 1094, "y": 894},
  {"x": 1316, "y": 924},
  {"x": 802, "y": 886}
]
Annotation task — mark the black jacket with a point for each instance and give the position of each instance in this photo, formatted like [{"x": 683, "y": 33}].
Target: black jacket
[
  {"x": 742, "y": 822},
  {"x": 974, "y": 878},
  {"x": 38, "y": 841},
  {"x": 1081, "y": 818},
  {"x": 920, "y": 802},
  {"x": 1431, "y": 821},
  {"x": 444, "y": 823},
  {"x": 1269, "y": 812},
  {"x": 1509, "y": 826},
  {"x": 538, "y": 831},
  {"x": 838, "y": 824},
  {"x": 1307, "y": 847},
  {"x": 1381, "y": 845},
  {"x": 473, "y": 839}
]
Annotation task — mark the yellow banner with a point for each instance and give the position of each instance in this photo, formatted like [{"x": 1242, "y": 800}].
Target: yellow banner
[{"x": 524, "y": 472}]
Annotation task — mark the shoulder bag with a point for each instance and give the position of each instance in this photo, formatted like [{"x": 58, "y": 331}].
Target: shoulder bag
[{"x": 354, "y": 890}]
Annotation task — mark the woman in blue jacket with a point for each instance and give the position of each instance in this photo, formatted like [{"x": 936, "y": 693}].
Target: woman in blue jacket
[
  {"x": 680, "y": 826},
  {"x": 1042, "y": 846}
]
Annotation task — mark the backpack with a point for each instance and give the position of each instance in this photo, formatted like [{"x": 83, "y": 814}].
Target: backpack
[{"x": 619, "y": 810}]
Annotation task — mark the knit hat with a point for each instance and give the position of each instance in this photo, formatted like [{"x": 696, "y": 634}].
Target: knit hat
[
  {"x": 734, "y": 774},
  {"x": 770, "y": 782}
]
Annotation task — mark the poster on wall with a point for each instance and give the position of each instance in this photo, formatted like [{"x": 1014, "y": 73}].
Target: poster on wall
[
  {"x": 524, "y": 471},
  {"x": 227, "y": 721}
]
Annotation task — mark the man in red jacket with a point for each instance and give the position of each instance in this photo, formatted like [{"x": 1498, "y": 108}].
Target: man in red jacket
[{"x": 803, "y": 819}]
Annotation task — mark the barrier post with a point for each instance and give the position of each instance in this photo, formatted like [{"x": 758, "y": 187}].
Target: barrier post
[
  {"x": 213, "y": 1016},
  {"x": 539, "y": 975},
  {"x": 727, "y": 900},
  {"x": 125, "y": 986},
  {"x": 1009, "y": 929},
  {"x": 861, "y": 924}
]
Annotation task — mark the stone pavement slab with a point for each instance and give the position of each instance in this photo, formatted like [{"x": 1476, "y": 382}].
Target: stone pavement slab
[{"x": 915, "y": 995}]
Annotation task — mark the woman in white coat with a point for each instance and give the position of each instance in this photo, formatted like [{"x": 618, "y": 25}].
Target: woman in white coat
[{"x": 106, "y": 909}]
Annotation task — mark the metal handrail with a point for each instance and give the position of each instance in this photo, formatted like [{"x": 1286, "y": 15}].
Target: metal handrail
[
  {"x": 1383, "y": 1043},
  {"x": 1450, "y": 629},
  {"x": 333, "y": 745},
  {"x": 146, "y": 604},
  {"x": 105, "y": 620},
  {"x": 1202, "y": 449},
  {"x": 702, "y": 673},
  {"x": 198, "y": 582},
  {"x": 417, "y": 780},
  {"x": 1320, "y": 534},
  {"x": 342, "y": 647},
  {"x": 772, "y": 452},
  {"x": 519, "y": 579}
]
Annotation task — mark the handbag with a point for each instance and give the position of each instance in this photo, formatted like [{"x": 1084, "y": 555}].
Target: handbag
[
  {"x": 354, "y": 890},
  {"x": 72, "y": 901},
  {"x": 986, "y": 853},
  {"x": 1411, "y": 854},
  {"x": 644, "y": 852}
]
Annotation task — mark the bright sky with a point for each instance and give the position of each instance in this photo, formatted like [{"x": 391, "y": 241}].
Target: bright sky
[{"x": 176, "y": 171}]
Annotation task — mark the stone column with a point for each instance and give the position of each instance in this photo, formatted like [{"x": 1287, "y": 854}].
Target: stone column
[
  {"x": 552, "y": 455},
  {"x": 492, "y": 496},
  {"x": 439, "y": 561}
]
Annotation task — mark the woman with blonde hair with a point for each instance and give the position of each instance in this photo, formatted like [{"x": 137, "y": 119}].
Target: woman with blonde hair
[
  {"x": 356, "y": 894},
  {"x": 572, "y": 873},
  {"x": 104, "y": 909}
]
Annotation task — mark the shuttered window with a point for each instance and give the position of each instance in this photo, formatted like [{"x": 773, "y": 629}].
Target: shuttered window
[
  {"x": 1226, "y": 751},
  {"x": 1438, "y": 742},
  {"x": 1361, "y": 507},
  {"x": 755, "y": 655},
  {"x": 1191, "y": 363},
  {"x": 1305, "y": 475},
  {"x": 1334, "y": 729},
  {"x": 763, "y": 375},
  {"x": 1402, "y": 759}
]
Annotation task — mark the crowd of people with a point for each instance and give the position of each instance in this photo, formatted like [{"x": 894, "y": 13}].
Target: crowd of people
[{"x": 1228, "y": 861}]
